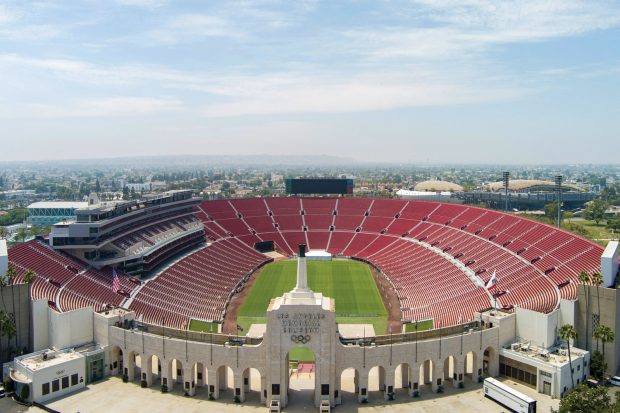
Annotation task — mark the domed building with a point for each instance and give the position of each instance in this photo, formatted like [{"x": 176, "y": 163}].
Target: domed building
[{"x": 438, "y": 186}]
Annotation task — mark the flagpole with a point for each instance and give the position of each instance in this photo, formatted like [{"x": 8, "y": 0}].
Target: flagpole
[
  {"x": 364, "y": 344},
  {"x": 416, "y": 340},
  {"x": 390, "y": 345}
]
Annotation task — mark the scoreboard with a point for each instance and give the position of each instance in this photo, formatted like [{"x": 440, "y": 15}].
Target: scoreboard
[{"x": 319, "y": 186}]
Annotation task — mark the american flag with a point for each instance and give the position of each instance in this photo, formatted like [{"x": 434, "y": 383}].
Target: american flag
[
  {"x": 492, "y": 281},
  {"x": 116, "y": 282}
]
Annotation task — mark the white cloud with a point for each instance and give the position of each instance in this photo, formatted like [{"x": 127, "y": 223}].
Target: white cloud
[
  {"x": 188, "y": 28},
  {"x": 149, "y": 4},
  {"x": 318, "y": 96},
  {"x": 461, "y": 28},
  {"x": 115, "y": 106}
]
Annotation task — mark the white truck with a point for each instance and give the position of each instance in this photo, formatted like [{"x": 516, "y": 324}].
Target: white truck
[{"x": 508, "y": 397}]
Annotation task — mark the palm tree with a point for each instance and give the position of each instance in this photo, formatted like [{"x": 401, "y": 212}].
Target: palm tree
[
  {"x": 567, "y": 333},
  {"x": 11, "y": 274},
  {"x": 34, "y": 231},
  {"x": 605, "y": 334},
  {"x": 22, "y": 233},
  {"x": 597, "y": 279},
  {"x": 584, "y": 278},
  {"x": 29, "y": 278}
]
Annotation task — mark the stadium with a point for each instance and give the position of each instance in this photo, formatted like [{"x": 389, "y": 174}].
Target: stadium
[{"x": 419, "y": 294}]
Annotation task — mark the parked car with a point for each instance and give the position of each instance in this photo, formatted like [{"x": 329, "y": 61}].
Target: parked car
[{"x": 614, "y": 381}]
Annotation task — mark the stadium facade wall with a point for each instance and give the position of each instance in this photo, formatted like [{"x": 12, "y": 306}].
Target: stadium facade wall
[
  {"x": 598, "y": 306},
  {"x": 436, "y": 362},
  {"x": 536, "y": 328},
  {"x": 15, "y": 301}
]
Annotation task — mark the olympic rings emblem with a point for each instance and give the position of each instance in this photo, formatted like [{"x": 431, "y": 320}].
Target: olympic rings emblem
[{"x": 300, "y": 339}]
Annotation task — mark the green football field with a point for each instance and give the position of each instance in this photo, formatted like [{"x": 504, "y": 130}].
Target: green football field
[{"x": 350, "y": 283}]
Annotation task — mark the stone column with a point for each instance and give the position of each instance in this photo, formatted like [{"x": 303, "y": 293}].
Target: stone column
[
  {"x": 427, "y": 372},
  {"x": 459, "y": 372},
  {"x": 381, "y": 380},
  {"x": 404, "y": 376},
  {"x": 437, "y": 376},
  {"x": 415, "y": 379},
  {"x": 214, "y": 383},
  {"x": 477, "y": 371},
  {"x": 239, "y": 388},
  {"x": 363, "y": 386},
  {"x": 247, "y": 381},
  {"x": 189, "y": 385},
  {"x": 166, "y": 374},
  {"x": 388, "y": 383},
  {"x": 263, "y": 389},
  {"x": 179, "y": 375},
  {"x": 147, "y": 369},
  {"x": 129, "y": 365}
]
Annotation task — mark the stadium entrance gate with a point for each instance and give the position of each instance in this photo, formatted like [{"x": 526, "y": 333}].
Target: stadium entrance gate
[{"x": 424, "y": 361}]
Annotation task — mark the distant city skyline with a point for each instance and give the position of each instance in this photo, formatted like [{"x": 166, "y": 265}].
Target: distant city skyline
[{"x": 420, "y": 81}]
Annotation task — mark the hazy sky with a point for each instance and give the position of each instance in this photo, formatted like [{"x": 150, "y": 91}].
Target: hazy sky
[{"x": 422, "y": 80}]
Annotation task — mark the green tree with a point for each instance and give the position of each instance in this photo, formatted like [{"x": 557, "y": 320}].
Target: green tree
[
  {"x": 2, "y": 232},
  {"x": 551, "y": 211},
  {"x": 584, "y": 278},
  {"x": 605, "y": 335},
  {"x": 598, "y": 366},
  {"x": 567, "y": 332},
  {"x": 22, "y": 233},
  {"x": 595, "y": 210},
  {"x": 597, "y": 279},
  {"x": 29, "y": 278},
  {"x": 11, "y": 275},
  {"x": 586, "y": 400},
  {"x": 614, "y": 224}
]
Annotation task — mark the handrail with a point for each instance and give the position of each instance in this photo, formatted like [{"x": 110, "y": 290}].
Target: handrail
[
  {"x": 414, "y": 336},
  {"x": 197, "y": 336}
]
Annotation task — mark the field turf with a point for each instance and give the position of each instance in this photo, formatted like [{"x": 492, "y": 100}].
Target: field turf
[
  {"x": 204, "y": 326},
  {"x": 350, "y": 283}
]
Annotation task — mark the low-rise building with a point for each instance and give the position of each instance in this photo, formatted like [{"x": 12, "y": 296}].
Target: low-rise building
[
  {"x": 546, "y": 370},
  {"x": 45, "y": 214}
]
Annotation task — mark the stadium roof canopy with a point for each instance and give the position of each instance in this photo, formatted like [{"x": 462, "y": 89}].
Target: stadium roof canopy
[
  {"x": 58, "y": 204},
  {"x": 532, "y": 185},
  {"x": 437, "y": 186}
]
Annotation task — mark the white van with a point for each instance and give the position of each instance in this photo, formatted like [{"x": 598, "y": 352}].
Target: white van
[{"x": 614, "y": 381}]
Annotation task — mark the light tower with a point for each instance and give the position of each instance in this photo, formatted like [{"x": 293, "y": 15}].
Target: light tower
[
  {"x": 558, "y": 186},
  {"x": 506, "y": 178}
]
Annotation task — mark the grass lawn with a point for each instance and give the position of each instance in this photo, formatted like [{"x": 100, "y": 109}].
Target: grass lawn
[
  {"x": 204, "y": 326},
  {"x": 587, "y": 229},
  {"x": 301, "y": 354},
  {"x": 422, "y": 325},
  {"x": 350, "y": 283}
]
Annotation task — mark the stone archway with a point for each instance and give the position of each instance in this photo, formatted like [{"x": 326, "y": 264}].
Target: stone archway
[
  {"x": 402, "y": 377},
  {"x": 470, "y": 366},
  {"x": 490, "y": 362},
  {"x": 348, "y": 385},
  {"x": 253, "y": 384},
  {"x": 376, "y": 383},
  {"x": 302, "y": 378},
  {"x": 116, "y": 361},
  {"x": 426, "y": 376}
]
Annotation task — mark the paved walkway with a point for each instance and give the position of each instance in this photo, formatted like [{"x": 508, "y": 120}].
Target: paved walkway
[{"x": 112, "y": 395}]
